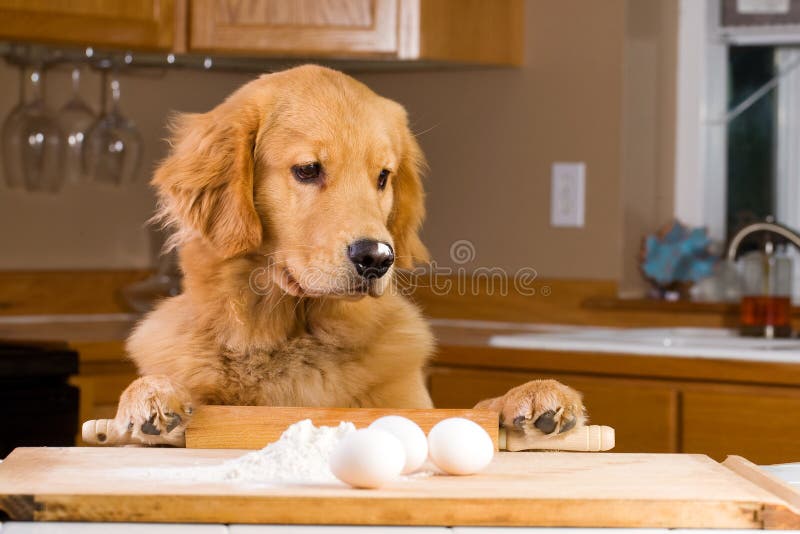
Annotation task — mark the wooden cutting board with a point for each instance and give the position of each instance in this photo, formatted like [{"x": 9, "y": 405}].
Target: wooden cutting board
[{"x": 518, "y": 489}]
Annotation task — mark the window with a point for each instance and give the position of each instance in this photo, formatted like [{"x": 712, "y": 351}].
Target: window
[{"x": 738, "y": 124}]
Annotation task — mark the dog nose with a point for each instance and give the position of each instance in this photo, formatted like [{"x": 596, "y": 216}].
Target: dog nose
[{"x": 371, "y": 258}]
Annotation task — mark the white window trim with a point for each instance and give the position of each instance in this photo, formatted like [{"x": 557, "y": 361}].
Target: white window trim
[
  {"x": 701, "y": 142},
  {"x": 787, "y": 179},
  {"x": 701, "y": 122}
]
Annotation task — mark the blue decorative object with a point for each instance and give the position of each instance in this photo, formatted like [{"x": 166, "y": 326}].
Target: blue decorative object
[{"x": 677, "y": 255}]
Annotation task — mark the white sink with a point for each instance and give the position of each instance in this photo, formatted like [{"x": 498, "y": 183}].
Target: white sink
[{"x": 719, "y": 343}]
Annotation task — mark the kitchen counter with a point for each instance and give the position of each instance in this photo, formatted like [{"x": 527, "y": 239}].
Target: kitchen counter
[
  {"x": 659, "y": 401},
  {"x": 685, "y": 401},
  {"x": 707, "y": 354},
  {"x": 617, "y": 351},
  {"x": 72, "y": 328},
  {"x": 464, "y": 344},
  {"x": 714, "y": 343}
]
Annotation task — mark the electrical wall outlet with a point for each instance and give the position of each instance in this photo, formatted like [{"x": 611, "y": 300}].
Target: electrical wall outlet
[{"x": 568, "y": 191}]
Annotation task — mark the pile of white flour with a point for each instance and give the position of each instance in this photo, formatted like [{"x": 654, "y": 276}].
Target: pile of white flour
[{"x": 301, "y": 455}]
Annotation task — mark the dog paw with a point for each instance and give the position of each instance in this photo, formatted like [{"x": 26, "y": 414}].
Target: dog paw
[
  {"x": 544, "y": 406},
  {"x": 154, "y": 410}
]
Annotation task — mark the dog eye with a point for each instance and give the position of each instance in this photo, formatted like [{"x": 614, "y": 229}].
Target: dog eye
[
  {"x": 309, "y": 172},
  {"x": 383, "y": 177}
]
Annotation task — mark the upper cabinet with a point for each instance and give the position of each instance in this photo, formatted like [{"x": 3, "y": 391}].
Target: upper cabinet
[
  {"x": 295, "y": 27},
  {"x": 462, "y": 31},
  {"x": 472, "y": 31},
  {"x": 140, "y": 24}
]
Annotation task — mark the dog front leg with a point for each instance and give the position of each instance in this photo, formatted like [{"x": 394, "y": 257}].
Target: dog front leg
[
  {"x": 544, "y": 406},
  {"x": 153, "y": 410}
]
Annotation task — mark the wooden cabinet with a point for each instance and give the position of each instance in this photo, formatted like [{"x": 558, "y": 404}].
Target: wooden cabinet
[
  {"x": 644, "y": 414},
  {"x": 470, "y": 31},
  {"x": 757, "y": 423},
  {"x": 296, "y": 27},
  {"x": 460, "y": 31},
  {"x": 141, "y": 24}
]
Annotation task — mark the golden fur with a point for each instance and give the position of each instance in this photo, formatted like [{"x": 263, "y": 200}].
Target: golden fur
[{"x": 272, "y": 311}]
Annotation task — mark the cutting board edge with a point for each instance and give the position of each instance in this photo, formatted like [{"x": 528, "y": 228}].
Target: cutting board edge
[
  {"x": 775, "y": 516},
  {"x": 392, "y": 511}
]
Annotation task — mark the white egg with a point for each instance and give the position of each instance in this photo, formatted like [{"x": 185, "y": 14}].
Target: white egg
[
  {"x": 410, "y": 435},
  {"x": 459, "y": 446},
  {"x": 368, "y": 458}
]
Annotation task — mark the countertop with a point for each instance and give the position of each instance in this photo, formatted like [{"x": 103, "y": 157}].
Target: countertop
[
  {"x": 72, "y": 328},
  {"x": 468, "y": 343},
  {"x": 714, "y": 343}
]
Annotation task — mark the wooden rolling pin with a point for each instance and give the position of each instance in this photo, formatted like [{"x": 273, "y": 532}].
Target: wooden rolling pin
[
  {"x": 592, "y": 438},
  {"x": 253, "y": 427}
]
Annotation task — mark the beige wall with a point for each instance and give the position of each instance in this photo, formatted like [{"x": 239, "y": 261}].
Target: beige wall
[
  {"x": 490, "y": 136},
  {"x": 648, "y": 130},
  {"x": 91, "y": 225},
  {"x": 495, "y": 133}
]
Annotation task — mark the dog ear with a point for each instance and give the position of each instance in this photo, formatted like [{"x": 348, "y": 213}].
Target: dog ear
[
  {"x": 205, "y": 185},
  {"x": 408, "y": 208}
]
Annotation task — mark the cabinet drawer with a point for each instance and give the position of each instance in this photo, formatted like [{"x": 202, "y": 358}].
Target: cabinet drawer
[
  {"x": 644, "y": 414},
  {"x": 296, "y": 28},
  {"x": 758, "y": 424},
  {"x": 148, "y": 24}
]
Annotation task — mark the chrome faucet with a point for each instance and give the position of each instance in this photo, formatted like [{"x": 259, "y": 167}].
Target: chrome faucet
[{"x": 766, "y": 226}]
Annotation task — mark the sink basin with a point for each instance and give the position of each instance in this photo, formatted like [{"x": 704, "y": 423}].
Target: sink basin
[{"x": 719, "y": 343}]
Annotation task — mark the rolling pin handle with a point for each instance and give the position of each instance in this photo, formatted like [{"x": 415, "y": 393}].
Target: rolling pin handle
[
  {"x": 98, "y": 432},
  {"x": 592, "y": 438}
]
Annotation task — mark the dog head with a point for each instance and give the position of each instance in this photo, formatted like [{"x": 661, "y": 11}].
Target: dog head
[{"x": 310, "y": 169}]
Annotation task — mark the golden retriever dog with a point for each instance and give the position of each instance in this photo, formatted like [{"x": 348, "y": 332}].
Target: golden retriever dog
[{"x": 293, "y": 203}]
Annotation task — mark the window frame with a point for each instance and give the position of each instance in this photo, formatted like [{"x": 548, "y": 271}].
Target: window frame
[{"x": 701, "y": 133}]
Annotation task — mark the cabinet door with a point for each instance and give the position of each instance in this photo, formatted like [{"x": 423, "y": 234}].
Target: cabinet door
[
  {"x": 147, "y": 24},
  {"x": 760, "y": 424},
  {"x": 295, "y": 27},
  {"x": 644, "y": 414}
]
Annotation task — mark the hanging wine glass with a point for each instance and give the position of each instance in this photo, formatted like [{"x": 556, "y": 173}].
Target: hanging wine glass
[
  {"x": 76, "y": 119},
  {"x": 39, "y": 140},
  {"x": 12, "y": 139},
  {"x": 113, "y": 147}
]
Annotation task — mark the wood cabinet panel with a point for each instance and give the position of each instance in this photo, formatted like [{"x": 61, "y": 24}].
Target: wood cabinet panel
[
  {"x": 756, "y": 423},
  {"x": 472, "y": 31},
  {"x": 295, "y": 28},
  {"x": 146, "y": 24},
  {"x": 644, "y": 414},
  {"x": 296, "y": 13}
]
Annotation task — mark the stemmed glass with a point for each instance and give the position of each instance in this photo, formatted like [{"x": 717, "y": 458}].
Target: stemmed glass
[
  {"x": 12, "y": 139},
  {"x": 36, "y": 137},
  {"x": 76, "y": 119},
  {"x": 113, "y": 146}
]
